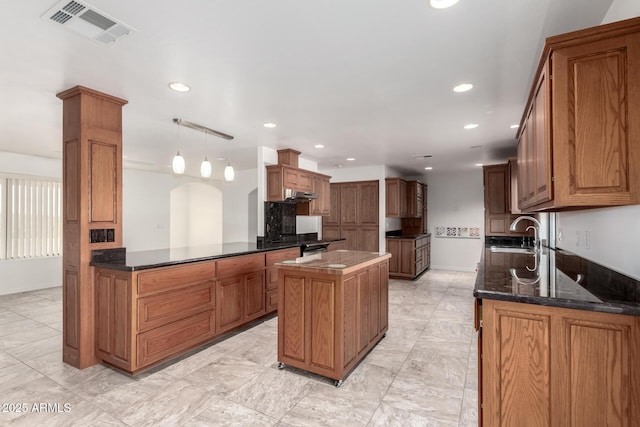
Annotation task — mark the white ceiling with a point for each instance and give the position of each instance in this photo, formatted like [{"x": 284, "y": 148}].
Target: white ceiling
[{"x": 370, "y": 79}]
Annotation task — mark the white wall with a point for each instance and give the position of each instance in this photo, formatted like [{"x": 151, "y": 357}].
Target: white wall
[
  {"x": 146, "y": 208},
  {"x": 38, "y": 273},
  {"x": 622, "y": 9},
  {"x": 365, "y": 173},
  {"x": 196, "y": 215},
  {"x": 455, "y": 199},
  {"x": 239, "y": 223},
  {"x": 614, "y": 232}
]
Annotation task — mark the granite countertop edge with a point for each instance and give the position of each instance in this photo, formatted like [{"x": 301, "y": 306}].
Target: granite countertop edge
[
  {"x": 479, "y": 292},
  {"x": 128, "y": 267}
]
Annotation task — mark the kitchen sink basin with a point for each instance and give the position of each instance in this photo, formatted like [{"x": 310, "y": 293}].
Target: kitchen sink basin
[{"x": 512, "y": 250}]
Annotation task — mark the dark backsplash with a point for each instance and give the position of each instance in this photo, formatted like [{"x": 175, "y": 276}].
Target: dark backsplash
[{"x": 279, "y": 220}]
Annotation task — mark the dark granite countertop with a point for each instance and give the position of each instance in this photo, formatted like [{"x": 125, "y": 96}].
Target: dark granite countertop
[
  {"x": 555, "y": 278},
  {"x": 119, "y": 259}
]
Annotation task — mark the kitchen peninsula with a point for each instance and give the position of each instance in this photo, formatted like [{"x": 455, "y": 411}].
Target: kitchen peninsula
[
  {"x": 151, "y": 306},
  {"x": 332, "y": 310}
]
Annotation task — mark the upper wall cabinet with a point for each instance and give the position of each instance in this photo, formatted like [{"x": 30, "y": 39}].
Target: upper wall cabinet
[
  {"x": 579, "y": 139},
  {"x": 404, "y": 199}
]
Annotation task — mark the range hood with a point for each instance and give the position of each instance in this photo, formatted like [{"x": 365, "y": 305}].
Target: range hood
[{"x": 301, "y": 196}]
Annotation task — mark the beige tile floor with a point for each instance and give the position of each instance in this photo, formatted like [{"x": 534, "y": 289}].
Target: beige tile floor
[{"x": 423, "y": 373}]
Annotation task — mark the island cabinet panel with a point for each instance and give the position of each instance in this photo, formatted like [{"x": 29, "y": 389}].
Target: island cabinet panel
[
  {"x": 549, "y": 366},
  {"x": 292, "y": 321},
  {"x": 327, "y": 321},
  {"x": 323, "y": 323},
  {"x": 410, "y": 256}
]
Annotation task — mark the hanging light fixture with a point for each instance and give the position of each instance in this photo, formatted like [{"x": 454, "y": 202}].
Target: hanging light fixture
[
  {"x": 178, "y": 161},
  {"x": 205, "y": 166},
  {"x": 229, "y": 173}
]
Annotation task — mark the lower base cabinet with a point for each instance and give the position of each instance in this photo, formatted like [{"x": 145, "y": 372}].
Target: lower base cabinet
[
  {"x": 547, "y": 366},
  {"x": 409, "y": 256},
  {"x": 145, "y": 317}
]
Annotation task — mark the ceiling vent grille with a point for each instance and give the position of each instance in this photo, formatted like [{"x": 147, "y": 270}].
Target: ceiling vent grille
[{"x": 88, "y": 21}]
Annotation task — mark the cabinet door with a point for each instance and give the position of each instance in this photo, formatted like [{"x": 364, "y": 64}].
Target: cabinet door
[
  {"x": 496, "y": 198},
  {"x": 425, "y": 222},
  {"x": 349, "y": 204},
  {"x": 393, "y": 247},
  {"x": 322, "y": 323},
  {"x": 407, "y": 261},
  {"x": 290, "y": 178},
  {"x": 333, "y": 218},
  {"x": 254, "y": 295},
  {"x": 229, "y": 302},
  {"x": 595, "y": 362},
  {"x": 330, "y": 233},
  {"x": 541, "y": 129},
  {"x": 517, "y": 372},
  {"x": 325, "y": 198},
  {"x": 368, "y": 239},
  {"x": 367, "y": 202},
  {"x": 305, "y": 180},
  {"x": 351, "y": 236},
  {"x": 596, "y": 102},
  {"x": 274, "y": 184},
  {"x": 384, "y": 297},
  {"x": 374, "y": 302},
  {"x": 392, "y": 197}
]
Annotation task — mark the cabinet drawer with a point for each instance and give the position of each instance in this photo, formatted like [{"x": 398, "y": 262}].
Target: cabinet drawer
[
  {"x": 165, "y": 341},
  {"x": 272, "y": 300},
  {"x": 167, "y": 278},
  {"x": 240, "y": 265},
  {"x": 160, "y": 309}
]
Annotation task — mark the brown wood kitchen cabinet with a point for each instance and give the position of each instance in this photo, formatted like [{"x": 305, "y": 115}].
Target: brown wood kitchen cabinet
[
  {"x": 148, "y": 316},
  {"x": 320, "y": 206},
  {"x": 578, "y": 142},
  {"x": 548, "y": 366},
  {"x": 354, "y": 215},
  {"x": 497, "y": 203},
  {"x": 395, "y": 198},
  {"x": 414, "y": 199},
  {"x": 410, "y": 256}
]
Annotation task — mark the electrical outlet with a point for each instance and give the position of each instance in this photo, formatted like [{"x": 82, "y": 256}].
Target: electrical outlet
[
  {"x": 587, "y": 239},
  {"x": 578, "y": 235}
]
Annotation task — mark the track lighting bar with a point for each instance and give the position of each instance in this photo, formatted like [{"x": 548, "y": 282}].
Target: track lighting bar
[{"x": 186, "y": 123}]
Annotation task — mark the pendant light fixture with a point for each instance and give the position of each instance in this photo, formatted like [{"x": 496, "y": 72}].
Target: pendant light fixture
[
  {"x": 205, "y": 166},
  {"x": 178, "y": 161}
]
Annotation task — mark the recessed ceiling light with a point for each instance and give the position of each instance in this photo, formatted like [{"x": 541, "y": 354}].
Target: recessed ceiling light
[
  {"x": 318, "y": 146},
  {"x": 270, "y": 125},
  {"x": 479, "y": 164},
  {"x": 471, "y": 126},
  {"x": 179, "y": 87},
  {"x": 514, "y": 126},
  {"x": 463, "y": 87},
  {"x": 350, "y": 159},
  {"x": 442, "y": 4},
  {"x": 428, "y": 168}
]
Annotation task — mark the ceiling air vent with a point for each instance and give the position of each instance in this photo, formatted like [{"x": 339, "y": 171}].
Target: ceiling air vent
[{"x": 88, "y": 21}]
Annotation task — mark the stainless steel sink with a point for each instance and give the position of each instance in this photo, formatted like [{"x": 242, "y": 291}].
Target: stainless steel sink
[{"x": 511, "y": 250}]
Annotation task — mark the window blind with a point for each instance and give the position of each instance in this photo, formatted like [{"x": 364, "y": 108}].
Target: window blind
[{"x": 33, "y": 218}]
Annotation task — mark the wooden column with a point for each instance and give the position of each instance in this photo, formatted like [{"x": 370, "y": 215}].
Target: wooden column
[{"x": 92, "y": 208}]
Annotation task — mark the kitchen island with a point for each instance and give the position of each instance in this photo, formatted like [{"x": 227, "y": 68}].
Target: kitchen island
[
  {"x": 332, "y": 310},
  {"x": 558, "y": 340}
]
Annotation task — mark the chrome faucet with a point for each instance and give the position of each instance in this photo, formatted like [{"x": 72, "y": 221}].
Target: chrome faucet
[{"x": 536, "y": 229}]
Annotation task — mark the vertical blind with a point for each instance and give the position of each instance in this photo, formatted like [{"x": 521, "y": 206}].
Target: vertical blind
[{"x": 31, "y": 210}]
